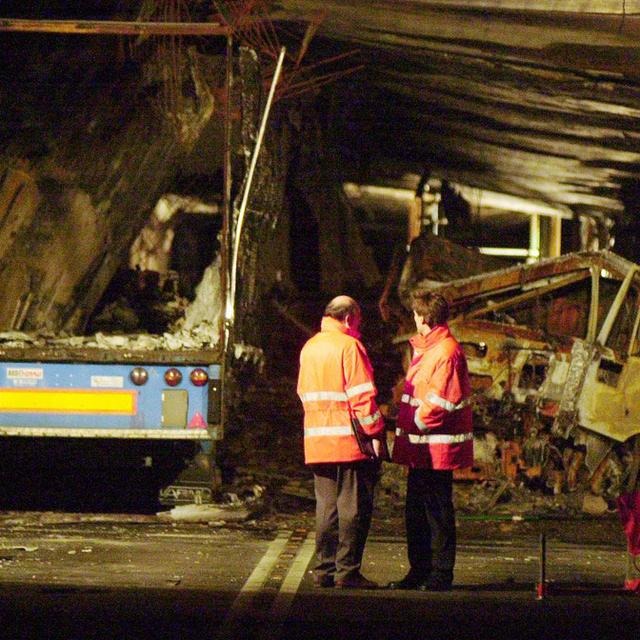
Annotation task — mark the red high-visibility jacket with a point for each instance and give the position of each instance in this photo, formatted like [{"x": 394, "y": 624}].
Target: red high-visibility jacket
[
  {"x": 335, "y": 383},
  {"x": 434, "y": 428}
]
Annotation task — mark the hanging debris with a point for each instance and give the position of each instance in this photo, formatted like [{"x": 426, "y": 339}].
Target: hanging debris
[
  {"x": 186, "y": 96},
  {"x": 252, "y": 25}
]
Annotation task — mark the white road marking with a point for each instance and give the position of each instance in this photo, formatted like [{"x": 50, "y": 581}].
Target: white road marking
[
  {"x": 279, "y": 611},
  {"x": 241, "y": 609},
  {"x": 233, "y": 620},
  {"x": 291, "y": 583}
]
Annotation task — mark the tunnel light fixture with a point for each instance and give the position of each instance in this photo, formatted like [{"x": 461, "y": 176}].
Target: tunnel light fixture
[
  {"x": 510, "y": 252},
  {"x": 355, "y": 191},
  {"x": 481, "y": 198}
]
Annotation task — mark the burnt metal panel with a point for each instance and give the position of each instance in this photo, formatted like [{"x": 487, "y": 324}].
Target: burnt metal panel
[{"x": 567, "y": 417}]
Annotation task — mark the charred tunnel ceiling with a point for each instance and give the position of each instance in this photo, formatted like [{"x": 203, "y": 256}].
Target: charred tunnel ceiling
[
  {"x": 533, "y": 98},
  {"x": 538, "y": 99}
]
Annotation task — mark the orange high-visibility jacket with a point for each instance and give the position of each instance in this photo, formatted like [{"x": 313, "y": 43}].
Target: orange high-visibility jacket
[
  {"x": 335, "y": 383},
  {"x": 434, "y": 428}
]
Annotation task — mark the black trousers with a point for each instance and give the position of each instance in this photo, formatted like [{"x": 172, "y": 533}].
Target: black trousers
[
  {"x": 430, "y": 522},
  {"x": 344, "y": 503}
]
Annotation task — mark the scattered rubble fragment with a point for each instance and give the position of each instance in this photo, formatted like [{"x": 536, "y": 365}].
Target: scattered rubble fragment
[
  {"x": 237, "y": 506},
  {"x": 206, "y": 513}
]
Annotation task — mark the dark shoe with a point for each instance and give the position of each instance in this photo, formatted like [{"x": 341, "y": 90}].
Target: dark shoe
[
  {"x": 435, "y": 583},
  {"x": 356, "y": 581},
  {"x": 324, "y": 581},
  {"x": 408, "y": 582}
]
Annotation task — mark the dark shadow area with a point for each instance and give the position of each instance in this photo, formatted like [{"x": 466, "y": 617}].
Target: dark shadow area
[
  {"x": 81, "y": 613},
  {"x": 305, "y": 248},
  {"x": 194, "y": 247},
  {"x": 555, "y": 588},
  {"x": 109, "y": 476},
  {"x": 77, "y": 613}
]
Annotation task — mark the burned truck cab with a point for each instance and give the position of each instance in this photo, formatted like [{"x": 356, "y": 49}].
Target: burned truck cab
[{"x": 554, "y": 361}]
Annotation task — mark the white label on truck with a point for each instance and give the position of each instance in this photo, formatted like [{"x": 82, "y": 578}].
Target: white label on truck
[
  {"x": 22, "y": 373},
  {"x": 107, "y": 381}
]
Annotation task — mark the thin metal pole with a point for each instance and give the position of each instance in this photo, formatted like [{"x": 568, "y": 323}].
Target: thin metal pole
[
  {"x": 541, "y": 587},
  {"x": 230, "y": 312},
  {"x": 227, "y": 222}
]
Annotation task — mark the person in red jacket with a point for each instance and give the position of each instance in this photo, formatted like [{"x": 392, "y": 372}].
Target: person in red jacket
[
  {"x": 336, "y": 386},
  {"x": 433, "y": 437}
]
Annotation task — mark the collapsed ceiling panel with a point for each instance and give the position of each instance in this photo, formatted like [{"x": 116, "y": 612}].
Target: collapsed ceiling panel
[{"x": 517, "y": 97}]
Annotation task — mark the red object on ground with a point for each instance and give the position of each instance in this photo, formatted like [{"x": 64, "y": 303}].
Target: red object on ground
[
  {"x": 632, "y": 585},
  {"x": 629, "y": 508}
]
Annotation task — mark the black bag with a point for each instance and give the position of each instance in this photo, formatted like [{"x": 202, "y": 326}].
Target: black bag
[{"x": 365, "y": 442}]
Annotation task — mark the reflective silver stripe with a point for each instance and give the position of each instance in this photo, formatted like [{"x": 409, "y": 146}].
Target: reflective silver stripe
[
  {"x": 314, "y": 432},
  {"x": 314, "y": 396},
  {"x": 360, "y": 388},
  {"x": 445, "y": 404},
  {"x": 421, "y": 425},
  {"x": 414, "y": 402},
  {"x": 435, "y": 438},
  {"x": 370, "y": 419}
]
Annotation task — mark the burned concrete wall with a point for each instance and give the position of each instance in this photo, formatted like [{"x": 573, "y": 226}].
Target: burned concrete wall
[
  {"x": 87, "y": 151},
  {"x": 263, "y": 251},
  {"x": 328, "y": 251}
]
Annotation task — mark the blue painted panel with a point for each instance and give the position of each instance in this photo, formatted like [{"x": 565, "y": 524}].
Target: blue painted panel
[{"x": 96, "y": 377}]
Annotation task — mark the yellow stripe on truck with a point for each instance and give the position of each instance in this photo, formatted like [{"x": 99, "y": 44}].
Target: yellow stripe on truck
[{"x": 119, "y": 402}]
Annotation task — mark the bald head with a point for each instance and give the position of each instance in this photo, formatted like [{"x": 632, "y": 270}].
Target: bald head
[{"x": 341, "y": 307}]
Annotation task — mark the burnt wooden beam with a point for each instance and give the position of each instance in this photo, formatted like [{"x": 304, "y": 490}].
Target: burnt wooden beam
[
  {"x": 112, "y": 27},
  {"x": 514, "y": 277}
]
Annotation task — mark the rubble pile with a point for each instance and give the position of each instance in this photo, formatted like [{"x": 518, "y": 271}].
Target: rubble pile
[
  {"x": 203, "y": 336},
  {"x": 141, "y": 307}
]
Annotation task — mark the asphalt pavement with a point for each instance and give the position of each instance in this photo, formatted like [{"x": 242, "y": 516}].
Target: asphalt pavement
[{"x": 136, "y": 577}]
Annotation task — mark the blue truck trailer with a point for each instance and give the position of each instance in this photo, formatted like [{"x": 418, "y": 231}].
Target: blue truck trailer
[{"x": 120, "y": 395}]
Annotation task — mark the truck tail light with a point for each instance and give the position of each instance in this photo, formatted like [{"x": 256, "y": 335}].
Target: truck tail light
[
  {"x": 199, "y": 377},
  {"x": 139, "y": 376},
  {"x": 172, "y": 377}
]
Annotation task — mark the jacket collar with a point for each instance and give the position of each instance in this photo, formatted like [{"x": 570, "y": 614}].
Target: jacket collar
[
  {"x": 331, "y": 324},
  {"x": 421, "y": 343}
]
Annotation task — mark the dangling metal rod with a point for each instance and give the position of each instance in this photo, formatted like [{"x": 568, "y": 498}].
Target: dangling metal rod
[
  {"x": 230, "y": 307},
  {"x": 226, "y": 247}
]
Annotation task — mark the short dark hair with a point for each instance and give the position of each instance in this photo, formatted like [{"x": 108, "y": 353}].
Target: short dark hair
[
  {"x": 342, "y": 308},
  {"x": 432, "y": 306}
]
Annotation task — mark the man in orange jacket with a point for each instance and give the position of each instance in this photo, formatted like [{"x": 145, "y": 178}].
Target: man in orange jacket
[
  {"x": 336, "y": 386},
  {"x": 433, "y": 437}
]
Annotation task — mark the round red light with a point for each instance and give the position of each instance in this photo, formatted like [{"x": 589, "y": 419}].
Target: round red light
[
  {"x": 172, "y": 377},
  {"x": 139, "y": 376},
  {"x": 199, "y": 377}
]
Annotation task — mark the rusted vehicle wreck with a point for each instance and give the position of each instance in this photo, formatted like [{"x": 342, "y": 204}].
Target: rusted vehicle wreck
[{"x": 554, "y": 357}]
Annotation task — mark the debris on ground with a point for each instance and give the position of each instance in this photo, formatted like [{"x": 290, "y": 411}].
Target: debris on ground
[{"x": 206, "y": 513}]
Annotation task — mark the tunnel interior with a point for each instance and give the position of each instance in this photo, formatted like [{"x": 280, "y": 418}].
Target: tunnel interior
[{"x": 495, "y": 137}]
